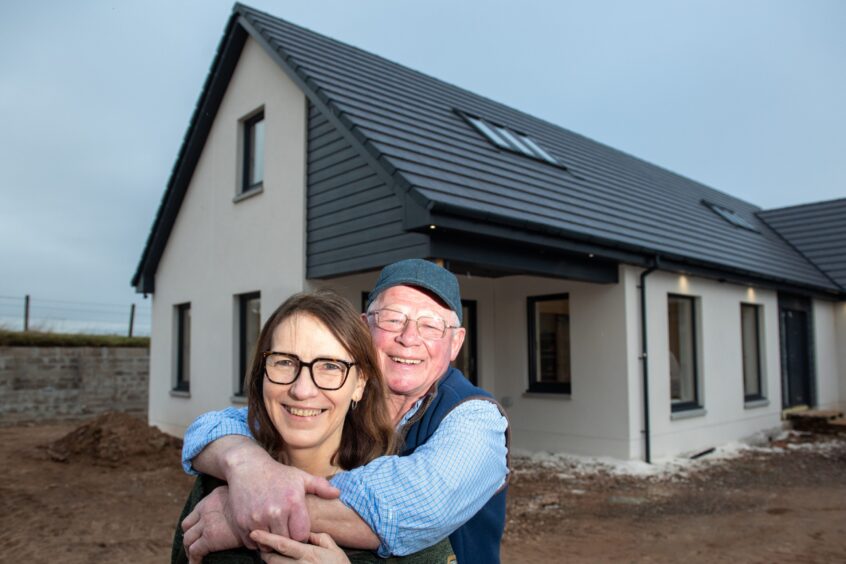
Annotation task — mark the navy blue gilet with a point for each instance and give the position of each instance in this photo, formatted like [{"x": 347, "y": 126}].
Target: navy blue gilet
[{"x": 479, "y": 538}]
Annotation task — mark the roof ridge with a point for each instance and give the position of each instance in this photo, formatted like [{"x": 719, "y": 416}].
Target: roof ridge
[
  {"x": 243, "y": 8},
  {"x": 807, "y": 205}
]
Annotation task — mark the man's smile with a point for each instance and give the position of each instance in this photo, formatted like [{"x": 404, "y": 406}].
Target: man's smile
[{"x": 410, "y": 361}]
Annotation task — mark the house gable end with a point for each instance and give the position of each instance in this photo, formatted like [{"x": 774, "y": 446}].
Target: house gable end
[{"x": 246, "y": 23}]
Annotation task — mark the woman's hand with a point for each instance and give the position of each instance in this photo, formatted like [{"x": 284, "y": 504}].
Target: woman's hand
[
  {"x": 206, "y": 528},
  {"x": 321, "y": 549}
]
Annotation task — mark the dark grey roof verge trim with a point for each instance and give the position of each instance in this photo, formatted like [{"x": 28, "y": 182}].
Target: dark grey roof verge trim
[{"x": 199, "y": 127}]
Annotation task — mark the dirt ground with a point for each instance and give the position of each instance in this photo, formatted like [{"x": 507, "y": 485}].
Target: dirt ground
[{"x": 110, "y": 490}]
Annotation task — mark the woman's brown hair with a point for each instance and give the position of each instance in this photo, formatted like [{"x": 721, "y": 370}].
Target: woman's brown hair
[{"x": 368, "y": 430}]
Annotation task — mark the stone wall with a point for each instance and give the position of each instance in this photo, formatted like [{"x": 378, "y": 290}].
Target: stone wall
[{"x": 54, "y": 383}]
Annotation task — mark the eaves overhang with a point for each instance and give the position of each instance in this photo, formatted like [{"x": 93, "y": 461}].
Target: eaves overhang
[{"x": 457, "y": 222}]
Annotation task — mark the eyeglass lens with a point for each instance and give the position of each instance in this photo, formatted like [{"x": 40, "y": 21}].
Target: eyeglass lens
[
  {"x": 395, "y": 322},
  {"x": 327, "y": 373}
]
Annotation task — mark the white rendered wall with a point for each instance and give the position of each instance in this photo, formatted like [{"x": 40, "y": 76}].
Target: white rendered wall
[
  {"x": 604, "y": 413},
  {"x": 725, "y": 415},
  {"x": 219, "y": 248},
  {"x": 593, "y": 418},
  {"x": 828, "y": 348}
]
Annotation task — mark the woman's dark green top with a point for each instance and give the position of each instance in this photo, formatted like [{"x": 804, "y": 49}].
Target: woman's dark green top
[{"x": 440, "y": 553}]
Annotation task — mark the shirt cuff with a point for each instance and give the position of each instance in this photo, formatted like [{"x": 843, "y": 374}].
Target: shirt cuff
[
  {"x": 356, "y": 495},
  {"x": 207, "y": 429}
]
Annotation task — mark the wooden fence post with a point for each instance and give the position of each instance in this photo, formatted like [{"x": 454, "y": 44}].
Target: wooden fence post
[
  {"x": 131, "y": 318},
  {"x": 26, "y": 313}
]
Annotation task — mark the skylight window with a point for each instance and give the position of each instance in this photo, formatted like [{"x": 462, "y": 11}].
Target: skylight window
[
  {"x": 509, "y": 140},
  {"x": 488, "y": 132},
  {"x": 731, "y": 216}
]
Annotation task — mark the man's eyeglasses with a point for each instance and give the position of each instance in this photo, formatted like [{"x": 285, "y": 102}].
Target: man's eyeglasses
[
  {"x": 431, "y": 328},
  {"x": 326, "y": 373}
]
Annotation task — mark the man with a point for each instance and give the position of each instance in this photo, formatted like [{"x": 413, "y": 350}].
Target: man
[{"x": 454, "y": 461}]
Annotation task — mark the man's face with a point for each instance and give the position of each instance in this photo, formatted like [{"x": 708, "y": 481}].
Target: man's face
[{"x": 410, "y": 363}]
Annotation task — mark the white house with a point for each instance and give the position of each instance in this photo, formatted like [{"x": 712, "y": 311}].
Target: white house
[{"x": 613, "y": 307}]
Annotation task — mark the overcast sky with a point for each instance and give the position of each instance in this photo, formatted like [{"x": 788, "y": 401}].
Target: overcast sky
[{"x": 748, "y": 97}]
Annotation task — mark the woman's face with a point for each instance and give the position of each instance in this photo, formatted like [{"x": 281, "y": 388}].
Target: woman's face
[{"x": 305, "y": 416}]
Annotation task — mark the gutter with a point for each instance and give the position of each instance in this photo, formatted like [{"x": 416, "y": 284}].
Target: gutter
[{"x": 645, "y": 361}]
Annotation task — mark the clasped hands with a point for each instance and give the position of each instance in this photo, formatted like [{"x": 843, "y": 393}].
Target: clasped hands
[{"x": 264, "y": 514}]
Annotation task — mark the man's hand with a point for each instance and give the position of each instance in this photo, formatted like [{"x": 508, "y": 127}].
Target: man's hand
[
  {"x": 263, "y": 494},
  {"x": 320, "y": 550},
  {"x": 206, "y": 528}
]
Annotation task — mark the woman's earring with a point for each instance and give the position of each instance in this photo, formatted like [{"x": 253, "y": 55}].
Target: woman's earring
[{"x": 353, "y": 404}]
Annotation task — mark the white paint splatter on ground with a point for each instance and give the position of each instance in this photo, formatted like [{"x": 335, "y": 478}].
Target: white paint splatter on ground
[{"x": 569, "y": 466}]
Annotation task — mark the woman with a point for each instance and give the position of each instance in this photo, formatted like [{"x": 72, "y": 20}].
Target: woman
[{"x": 316, "y": 401}]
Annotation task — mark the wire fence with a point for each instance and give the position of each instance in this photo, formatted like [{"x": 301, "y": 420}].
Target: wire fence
[{"x": 29, "y": 313}]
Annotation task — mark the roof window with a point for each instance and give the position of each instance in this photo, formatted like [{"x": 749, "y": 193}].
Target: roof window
[
  {"x": 509, "y": 140},
  {"x": 730, "y": 215}
]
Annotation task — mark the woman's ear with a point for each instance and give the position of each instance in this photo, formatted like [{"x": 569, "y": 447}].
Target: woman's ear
[{"x": 358, "y": 391}]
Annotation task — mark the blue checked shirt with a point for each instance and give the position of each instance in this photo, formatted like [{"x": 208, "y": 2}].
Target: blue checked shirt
[{"x": 410, "y": 502}]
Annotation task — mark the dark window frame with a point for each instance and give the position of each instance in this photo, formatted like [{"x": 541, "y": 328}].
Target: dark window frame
[
  {"x": 731, "y": 216},
  {"x": 182, "y": 383},
  {"x": 696, "y": 403},
  {"x": 248, "y": 126},
  {"x": 758, "y": 309},
  {"x": 470, "y": 343},
  {"x": 536, "y": 386},
  {"x": 493, "y": 133},
  {"x": 243, "y": 300}
]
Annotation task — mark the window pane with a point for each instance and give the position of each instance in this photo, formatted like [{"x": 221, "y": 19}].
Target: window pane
[
  {"x": 257, "y": 156},
  {"x": 751, "y": 350},
  {"x": 249, "y": 327},
  {"x": 253, "y": 166},
  {"x": 537, "y": 149},
  {"x": 517, "y": 145},
  {"x": 252, "y": 326},
  {"x": 552, "y": 345},
  {"x": 465, "y": 361},
  {"x": 488, "y": 132},
  {"x": 682, "y": 350},
  {"x": 183, "y": 344}
]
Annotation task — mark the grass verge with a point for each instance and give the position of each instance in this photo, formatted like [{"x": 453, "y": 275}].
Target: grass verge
[{"x": 42, "y": 339}]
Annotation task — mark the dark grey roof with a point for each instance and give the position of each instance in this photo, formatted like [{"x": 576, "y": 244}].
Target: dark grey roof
[
  {"x": 410, "y": 124},
  {"x": 818, "y": 231}
]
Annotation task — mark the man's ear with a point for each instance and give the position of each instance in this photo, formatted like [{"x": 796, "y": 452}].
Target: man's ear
[{"x": 456, "y": 342}]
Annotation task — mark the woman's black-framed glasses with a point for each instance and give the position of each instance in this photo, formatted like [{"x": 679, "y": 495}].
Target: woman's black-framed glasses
[{"x": 326, "y": 373}]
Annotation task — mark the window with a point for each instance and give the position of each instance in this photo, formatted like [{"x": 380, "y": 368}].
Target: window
[
  {"x": 549, "y": 344},
  {"x": 750, "y": 332},
  {"x": 253, "y": 157},
  {"x": 684, "y": 391},
  {"x": 509, "y": 140},
  {"x": 731, "y": 216},
  {"x": 466, "y": 359},
  {"x": 249, "y": 326},
  {"x": 183, "y": 348}
]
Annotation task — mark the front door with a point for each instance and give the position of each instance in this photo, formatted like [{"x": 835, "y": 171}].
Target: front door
[{"x": 796, "y": 358}]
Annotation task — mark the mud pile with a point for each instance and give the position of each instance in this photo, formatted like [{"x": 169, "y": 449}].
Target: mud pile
[{"x": 117, "y": 439}]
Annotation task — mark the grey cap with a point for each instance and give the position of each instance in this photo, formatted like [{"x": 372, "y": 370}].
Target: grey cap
[{"x": 423, "y": 274}]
